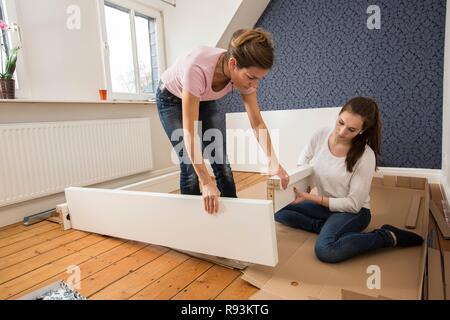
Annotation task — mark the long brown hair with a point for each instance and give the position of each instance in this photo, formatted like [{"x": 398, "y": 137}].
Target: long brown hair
[
  {"x": 251, "y": 48},
  {"x": 367, "y": 108}
]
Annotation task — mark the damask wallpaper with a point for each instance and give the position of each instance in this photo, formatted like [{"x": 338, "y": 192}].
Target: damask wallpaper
[{"x": 328, "y": 51}]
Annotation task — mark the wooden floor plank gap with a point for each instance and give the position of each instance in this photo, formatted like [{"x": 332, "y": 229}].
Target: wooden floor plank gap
[
  {"x": 38, "y": 277},
  {"x": 115, "y": 263},
  {"x": 21, "y": 268},
  {"x": 20, "y": 228},
  {"x": 40, "y": 249},
  {"x": 120, "y": 269},
  {"x": 150, "y": 270},
  {"x": 193, "y": 280},
  {"x": 34, "y": 241},
  {"x": 26, "y": 234},
  {"x": 237, "y": 276}
]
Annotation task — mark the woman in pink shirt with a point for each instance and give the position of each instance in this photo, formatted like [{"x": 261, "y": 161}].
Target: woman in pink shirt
[{"x": 186, "y": 99}]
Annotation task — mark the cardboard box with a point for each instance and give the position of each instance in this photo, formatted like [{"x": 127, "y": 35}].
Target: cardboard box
[{"x": 300, "y": 275}]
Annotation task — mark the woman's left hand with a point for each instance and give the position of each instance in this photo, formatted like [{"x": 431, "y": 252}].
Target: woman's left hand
[
  {"x": 299, "y": 196},
  {"x": 282, "y": 174}
]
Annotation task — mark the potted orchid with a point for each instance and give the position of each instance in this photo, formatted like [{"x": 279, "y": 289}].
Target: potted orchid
[{"x": 8, "y": 65}]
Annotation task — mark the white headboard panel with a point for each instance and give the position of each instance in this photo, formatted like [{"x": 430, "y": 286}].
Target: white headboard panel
[{"x": 290, "y": 131}]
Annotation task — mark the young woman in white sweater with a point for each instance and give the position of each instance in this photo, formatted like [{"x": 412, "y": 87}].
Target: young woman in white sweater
[{"x": 344, "y": 160}]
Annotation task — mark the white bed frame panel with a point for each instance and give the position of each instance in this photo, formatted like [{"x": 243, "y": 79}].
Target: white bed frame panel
[
  {"x": 290, "y": 131},
  {"x": 243, "y": 229},
  {"x": 299, "y": 177}
]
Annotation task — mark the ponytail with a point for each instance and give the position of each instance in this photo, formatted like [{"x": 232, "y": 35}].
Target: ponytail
[{"x": 371, "y": 131}]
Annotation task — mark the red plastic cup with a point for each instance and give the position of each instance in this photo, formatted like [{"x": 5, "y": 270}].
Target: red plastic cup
[{"x": 103, "y": 93}]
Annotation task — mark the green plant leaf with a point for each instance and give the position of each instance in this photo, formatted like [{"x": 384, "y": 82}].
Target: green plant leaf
[{"x": 11, "y": 61}]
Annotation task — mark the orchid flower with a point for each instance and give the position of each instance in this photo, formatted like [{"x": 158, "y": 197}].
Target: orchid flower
[{"x": 3, "y": 25}]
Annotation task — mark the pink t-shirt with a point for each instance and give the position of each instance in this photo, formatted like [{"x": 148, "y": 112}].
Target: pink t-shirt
[{"x": 194, "y": 72}]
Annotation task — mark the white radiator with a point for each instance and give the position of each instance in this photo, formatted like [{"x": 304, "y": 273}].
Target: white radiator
[{"x": 43, "y": 158}]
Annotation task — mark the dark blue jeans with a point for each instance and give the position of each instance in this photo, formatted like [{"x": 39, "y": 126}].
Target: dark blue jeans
[
  {"x": 340, "y": 233},
  {"x": 170, "y": 113}
]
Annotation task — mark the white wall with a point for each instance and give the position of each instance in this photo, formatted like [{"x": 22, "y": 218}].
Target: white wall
[
  {"x": 206, "y": 22},
  {"x": 446, "y": 109},
  {"x": 60, "y": 63},
  {"x": 196, "y": 22},
  {"x": 246, "y": 16}
]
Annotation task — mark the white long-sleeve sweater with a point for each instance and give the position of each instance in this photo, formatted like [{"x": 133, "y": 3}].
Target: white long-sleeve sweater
[{"x": 347, "y": 191}]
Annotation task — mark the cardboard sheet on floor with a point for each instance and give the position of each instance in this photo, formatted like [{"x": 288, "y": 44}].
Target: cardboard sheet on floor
[
  {"x": 446, "y": 257},
  {"x": 289, "y": 240},
  {"x": 300, "y": 275},
  {"x": 436, "y": 285}
]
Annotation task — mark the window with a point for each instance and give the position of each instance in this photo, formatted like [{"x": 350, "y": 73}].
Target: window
[
  {"x": 5, "y": 42},
  {"x": 12, "y": 39},
  {"x": 132, "y": 50}
]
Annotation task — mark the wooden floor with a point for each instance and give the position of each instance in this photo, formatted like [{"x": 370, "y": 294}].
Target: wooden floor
[
  {"x": 110, "y": 268},
  {"x": 34, "y": 256}
]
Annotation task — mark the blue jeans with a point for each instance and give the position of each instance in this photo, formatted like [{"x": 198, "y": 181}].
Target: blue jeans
[
  {"x": 340, "y": 233},
  {"x": 170, "y": 114}
]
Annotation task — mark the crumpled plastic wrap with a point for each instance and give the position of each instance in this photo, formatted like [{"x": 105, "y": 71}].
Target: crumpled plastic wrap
[{"x": 62, "y": 292}]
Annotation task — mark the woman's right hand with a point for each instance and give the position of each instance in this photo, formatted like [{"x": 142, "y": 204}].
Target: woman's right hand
[{"x": 210, "y": 195}]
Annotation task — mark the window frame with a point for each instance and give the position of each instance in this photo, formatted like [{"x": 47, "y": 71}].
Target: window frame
[
  {"x": 135, "y": 8},
  {"x": 10, "y": 12}
]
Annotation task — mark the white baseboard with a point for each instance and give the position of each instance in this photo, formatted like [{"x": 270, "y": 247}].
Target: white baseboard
[
  {"x": 16, "y": 212},
  {"x": 157, "y": 173},
  {"x": 165, "y": 183},
  {"x": 433, "y": 175}
]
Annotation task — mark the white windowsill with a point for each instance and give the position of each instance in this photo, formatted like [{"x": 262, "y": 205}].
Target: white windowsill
[{"x": 78, "y": 101}]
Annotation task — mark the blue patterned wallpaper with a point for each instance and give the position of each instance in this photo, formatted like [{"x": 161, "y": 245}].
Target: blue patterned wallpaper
[{"x": 325, "y": 54}]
